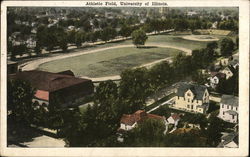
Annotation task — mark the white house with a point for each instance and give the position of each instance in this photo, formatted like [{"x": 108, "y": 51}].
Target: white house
[
  {"x": 229, "y": 107},
  {"x": 174, "y": 119},
  {"x": 192, "y": 98},
  {"x": 228, "y": 71},
  {"x": 130, "y": 121},
  {"x": 215, "y": 78}
]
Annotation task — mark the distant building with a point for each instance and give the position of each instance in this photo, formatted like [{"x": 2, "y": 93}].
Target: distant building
[
  {"x": 229, "y": 108},
  {"x": 228, "y": 71},
  {"x": 191, "y": 13},
  {"x": 130, "y": 121},
  {"x": 174, "y": 119},
  {"x": 63, "y": 87},
  {"x": 12, "y": 67},
  {"x": 31, "y": 43},
  {"x": 234, "y": 62},
  {"x": 229, "y": 140},
  {"x": 192, "y": 98},
  {"x": 215, "y": 78},
  {"x": 224, "y": 61},
  {"x": 214, "y": 25}
]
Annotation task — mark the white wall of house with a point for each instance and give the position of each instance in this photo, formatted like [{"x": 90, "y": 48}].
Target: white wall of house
[
  {"x": 227, "y": 72},
  {"x": 127, "y": 127},
  {"x": 226, "y": 116},
  {"x": 189, "y": 103},
  {"x": 40, "y": 102}
]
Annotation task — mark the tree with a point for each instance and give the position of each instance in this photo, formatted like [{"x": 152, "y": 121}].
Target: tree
[
  {"x": 78, "y": 39},
  {"x": 227, "y": 47},
  {"x": 237, "y": 42},
  {"x": 215, "y": 127},
  {"x": 71, "y": 36},
  {"x": 159, "y": 75},
  {"x": 19, "y": 100},
  {"x": 199, "y": 78},
  {"x": 134, "y": 89},
  {"x": 211, "y": 46},
  {"x": 63, "y": 42},
  {"x": 139, "y": 37},
  {"x": 38, "y": 49},
  {"x": 107, "y": 34},
  {"x": 125, "y": 31},
  {"x": 148, "y": 133}
]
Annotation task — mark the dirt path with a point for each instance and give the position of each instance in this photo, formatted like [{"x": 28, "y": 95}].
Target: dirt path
[
  {"x": 32, "y": 65},
  {"x": 194, "y": 38}
]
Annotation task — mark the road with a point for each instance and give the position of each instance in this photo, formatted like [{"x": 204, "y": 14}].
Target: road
[{"x": 164, "y": 103}]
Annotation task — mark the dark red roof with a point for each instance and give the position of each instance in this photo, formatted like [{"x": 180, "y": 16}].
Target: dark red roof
[
  {"x": 48, "y": 81},
  {"x": 175, "y": 116},
  {"x": 138, "y": 116}
]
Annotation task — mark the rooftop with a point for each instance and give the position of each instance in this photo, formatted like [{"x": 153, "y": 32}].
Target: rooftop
[
  {"x": 198, "y": 90},
  {"x": 48, "y": 81},
  {"x": 138, "y": 116},
  {"x": 230, "y": 100}
]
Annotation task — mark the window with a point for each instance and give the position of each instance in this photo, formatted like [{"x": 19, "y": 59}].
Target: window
[
  {"x": 192, "y": 107},
  {"x": 197, "y": 101},
  {"x": 231, "y": 107},
  {"x": 188, "y": 94},
  {"x": 223, "y": 113},
  {"x": 222, "y": 105},
  {"x": 236, "y": 108},
  {"x": 188, "y": 100},
  {"x": 227, "y": 106},
  {"x": 187, "y": 106},
  {"x": 233, "y": 116}
]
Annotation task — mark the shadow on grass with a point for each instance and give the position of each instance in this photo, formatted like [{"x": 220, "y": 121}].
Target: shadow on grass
[{"x": 147, "y": 47}]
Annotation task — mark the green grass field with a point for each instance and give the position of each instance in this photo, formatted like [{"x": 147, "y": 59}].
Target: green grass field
[
  {"x": 114, "y": 61},
  {"x": 108, "y": 62}
]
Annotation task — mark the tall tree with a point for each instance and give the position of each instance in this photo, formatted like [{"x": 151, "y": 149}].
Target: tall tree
[
  {"x": 139, "y": 37},
  {"x": 215, "y": 127},
  {"x": 134, "y": 89},
  {"x": 148, "y": 133},
  {"x": 19, "y": 100},
  {"x": 227, "y": 47}
]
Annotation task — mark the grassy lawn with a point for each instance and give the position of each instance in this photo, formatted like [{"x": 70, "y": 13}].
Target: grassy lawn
[
  {"x": 114, "y": 61},
  {"x": 108, "y": 62}
]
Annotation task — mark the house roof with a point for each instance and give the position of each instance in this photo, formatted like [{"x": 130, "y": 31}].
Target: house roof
[
  {"x": 198, "y": 90},
  {"x": 230, "y": 100},
  {"x": 138, "y": 116},
  {"x": 175, "y": 116},
  {"x": 227, "y": 138},
  {"x": 44, "y": 95},
  {"x": 218, "y": 74},
  {"x": 230, "y": 68},
  {"x": 231, "y": 112},
  {"x": 48, "y": 81}
]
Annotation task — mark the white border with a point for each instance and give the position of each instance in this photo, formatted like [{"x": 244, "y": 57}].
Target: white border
[{"x": 243, "y": 94}]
